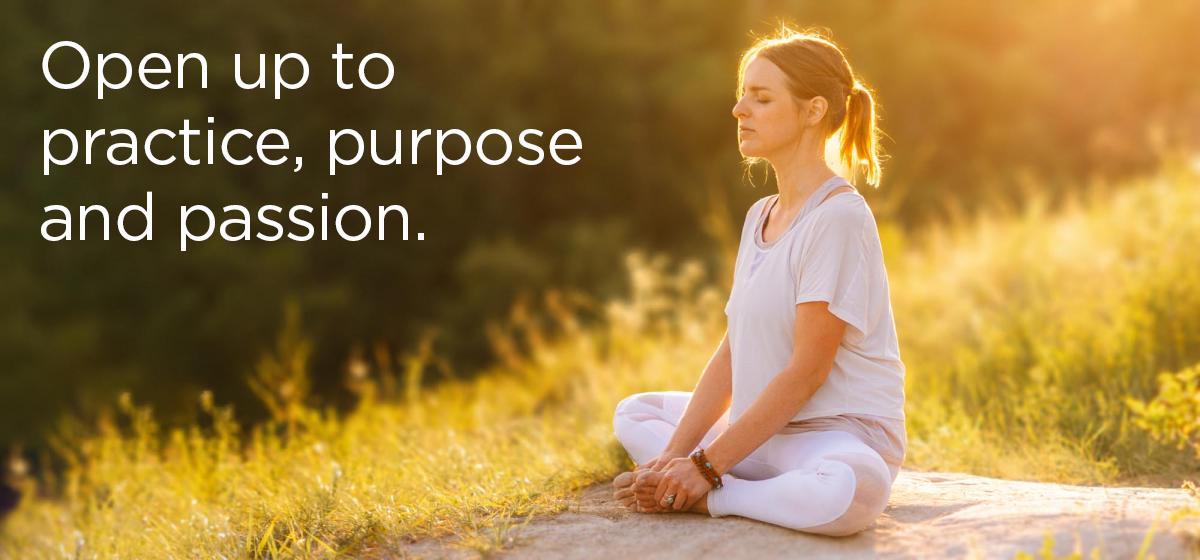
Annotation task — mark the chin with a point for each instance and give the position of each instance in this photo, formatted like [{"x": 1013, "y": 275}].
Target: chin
[{"x": 748, "y": 150}]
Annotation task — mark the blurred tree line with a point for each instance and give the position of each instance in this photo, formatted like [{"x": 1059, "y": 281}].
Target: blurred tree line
[{"x": 979, "y": 101}]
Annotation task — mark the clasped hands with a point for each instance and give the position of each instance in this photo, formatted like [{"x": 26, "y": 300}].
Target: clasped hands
[{"x": 676, "y": 476}]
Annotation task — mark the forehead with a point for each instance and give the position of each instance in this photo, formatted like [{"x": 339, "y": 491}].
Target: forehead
[{"x": 763, "y": 74}]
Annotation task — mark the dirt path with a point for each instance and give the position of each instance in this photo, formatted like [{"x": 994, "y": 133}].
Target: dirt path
[{"x": 930, "y": 515}]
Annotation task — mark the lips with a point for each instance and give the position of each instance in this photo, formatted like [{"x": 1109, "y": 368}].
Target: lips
[{"x": 745, "y": 129}]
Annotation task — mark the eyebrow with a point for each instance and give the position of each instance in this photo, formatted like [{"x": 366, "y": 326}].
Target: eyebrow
[{"x": 758, "y": 88}]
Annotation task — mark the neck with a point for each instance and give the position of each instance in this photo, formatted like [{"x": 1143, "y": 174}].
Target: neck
[{"x": 798, "y": 175}]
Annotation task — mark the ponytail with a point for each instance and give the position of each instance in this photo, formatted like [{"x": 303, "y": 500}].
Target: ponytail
[{"x": 860, "y": 136}]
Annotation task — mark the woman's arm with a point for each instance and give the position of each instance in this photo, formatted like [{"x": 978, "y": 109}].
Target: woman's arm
[
  {"x": 709, "y": 401},
  {"x": 818, "y": 335}
]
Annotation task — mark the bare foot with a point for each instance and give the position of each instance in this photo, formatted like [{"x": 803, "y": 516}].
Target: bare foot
[
  {"x": 644, "y": 484},
  {"x": 623, "y": 490}
]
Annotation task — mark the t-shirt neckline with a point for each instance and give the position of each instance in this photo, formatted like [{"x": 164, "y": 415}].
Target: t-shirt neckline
[{"x": 818, "y": 194}]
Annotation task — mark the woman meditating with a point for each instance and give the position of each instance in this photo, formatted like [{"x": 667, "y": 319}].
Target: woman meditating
[{"x": 798, "y": 418}]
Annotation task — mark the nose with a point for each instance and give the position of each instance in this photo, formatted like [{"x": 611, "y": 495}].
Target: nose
[{"x": 739, "y": 109}]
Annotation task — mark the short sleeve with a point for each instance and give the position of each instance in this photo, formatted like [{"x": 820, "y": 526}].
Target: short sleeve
[{"x": 833, "y": 266}]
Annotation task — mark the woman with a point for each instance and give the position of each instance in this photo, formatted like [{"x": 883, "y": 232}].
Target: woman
[{"x": 798, "y": 418}]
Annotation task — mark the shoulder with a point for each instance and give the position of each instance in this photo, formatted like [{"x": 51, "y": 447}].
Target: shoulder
[{"x": 844, "y": 210}]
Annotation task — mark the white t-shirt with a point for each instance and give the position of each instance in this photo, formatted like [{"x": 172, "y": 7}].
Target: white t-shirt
[{"x": 830, "y": 252}]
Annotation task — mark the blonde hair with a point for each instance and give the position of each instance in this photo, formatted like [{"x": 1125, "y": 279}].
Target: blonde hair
[{"x": 814, "y": 66}]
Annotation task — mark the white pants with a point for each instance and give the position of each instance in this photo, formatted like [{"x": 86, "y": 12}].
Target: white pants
[{"x": 826, "y": 482}]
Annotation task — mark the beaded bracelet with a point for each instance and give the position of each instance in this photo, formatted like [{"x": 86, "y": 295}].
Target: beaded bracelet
[{"x": 706, "y": 468}]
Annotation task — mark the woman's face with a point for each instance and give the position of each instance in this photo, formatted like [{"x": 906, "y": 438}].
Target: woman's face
[{"x": 770, "y": 121}]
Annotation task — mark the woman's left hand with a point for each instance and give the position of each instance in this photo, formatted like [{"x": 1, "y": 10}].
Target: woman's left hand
[{"x": 685, "y": 481}]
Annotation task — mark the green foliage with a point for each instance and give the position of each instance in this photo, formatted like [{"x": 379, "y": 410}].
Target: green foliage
[
  {"x": 1040, "y": 325},
  {"x": 281, "y": 380},
  {"x": 476, "y": 458},
  {"x": 981, "y": 106},
  {"x": 472, "y": 458},
  {"x": 1173, "y": 415}
]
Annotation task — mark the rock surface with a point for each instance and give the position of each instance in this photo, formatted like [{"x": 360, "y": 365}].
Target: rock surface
[{"x": 930, "y": 515}]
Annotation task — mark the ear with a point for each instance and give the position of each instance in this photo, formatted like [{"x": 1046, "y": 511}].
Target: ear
[{"x": 815, "y": 110}]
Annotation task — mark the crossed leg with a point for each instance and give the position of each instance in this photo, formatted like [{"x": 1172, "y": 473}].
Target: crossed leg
[
  {"x": 644, "y": 423},
  {"x": 826, "y": 482}
]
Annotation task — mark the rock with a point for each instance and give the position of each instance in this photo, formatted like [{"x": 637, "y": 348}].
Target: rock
[{"x": 930, "y": 515}]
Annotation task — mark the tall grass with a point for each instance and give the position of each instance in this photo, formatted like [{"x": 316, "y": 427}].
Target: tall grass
[
  {"x": 465, "y": 457},
  {"x": 1025, "y": 334},
  {"x": 1023, "y": 337}
]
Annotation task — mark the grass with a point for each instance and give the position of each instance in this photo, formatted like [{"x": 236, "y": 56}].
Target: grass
[
  {"x": 1040, "y": 326},
  {"x": 1025, "y": 336}
]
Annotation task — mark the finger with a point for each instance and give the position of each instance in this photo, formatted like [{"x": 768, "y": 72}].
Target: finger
[
  {"x": 680, "y": 499},
  {"x": 685, "y": 505},
  {"x": 665, "y": 486}
]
